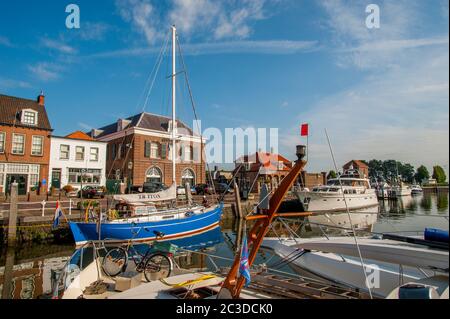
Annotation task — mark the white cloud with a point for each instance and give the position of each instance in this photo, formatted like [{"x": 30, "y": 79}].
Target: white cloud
[
  {"x": 12, "y": 84},
  {"x": 58, "y": 46},
  {"x": 46, "y": 71},
  {"x": 4, "y": 41},
  {"x": 93, "y": 31},
  {"x": 400, "y": 109},
  {"x": 213, "y": 19},
  {"x": 230, "y": 47}
]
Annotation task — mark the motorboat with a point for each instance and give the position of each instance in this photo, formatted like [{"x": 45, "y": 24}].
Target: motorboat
[
  {"x": 416, "y": 189},
  {"x": 389, "y": 263},
  {"x": 348, "y": 192}
]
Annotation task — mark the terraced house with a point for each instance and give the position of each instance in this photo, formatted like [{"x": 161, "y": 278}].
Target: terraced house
[
  {"x": 139, "y": 151},
  {"x": 25, "y": 132}
]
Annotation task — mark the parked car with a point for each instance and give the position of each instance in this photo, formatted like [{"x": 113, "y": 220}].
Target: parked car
[
  {"x": 91, "y": 192},
  {"x": 202, "y": 189},
  {"x": 151, "y": 188},
  {"x": 221, "y": 188},
  {"x": 134, "y": 190}
]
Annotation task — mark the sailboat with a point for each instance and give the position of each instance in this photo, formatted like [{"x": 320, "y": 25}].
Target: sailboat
[{"x": 145, "y": 220}]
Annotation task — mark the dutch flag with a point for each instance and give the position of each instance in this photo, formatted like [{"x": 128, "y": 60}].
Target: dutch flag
[
  {"x": 58, "y": 215},
  {"x": 244, "y": 268}
]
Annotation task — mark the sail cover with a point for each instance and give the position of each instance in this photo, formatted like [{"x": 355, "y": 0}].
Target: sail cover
[{"x": 168, "y": 194}]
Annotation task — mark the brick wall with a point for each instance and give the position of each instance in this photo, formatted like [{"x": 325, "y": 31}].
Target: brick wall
[
  {"x": 27, "y": 158},
  {"x": 141, "y": 163}
]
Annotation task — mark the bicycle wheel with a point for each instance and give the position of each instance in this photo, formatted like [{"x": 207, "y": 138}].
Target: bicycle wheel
[
  {"x": 158, "y": 266},
  {"x": 115, "y": 262}
]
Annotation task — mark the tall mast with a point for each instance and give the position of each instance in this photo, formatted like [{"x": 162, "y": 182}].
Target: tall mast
[{"x": 174, "y": 96}]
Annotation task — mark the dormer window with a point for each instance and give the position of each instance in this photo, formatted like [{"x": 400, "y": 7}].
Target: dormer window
[{"x": 29, "y": 117}]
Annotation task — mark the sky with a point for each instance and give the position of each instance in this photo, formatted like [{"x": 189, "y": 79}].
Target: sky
[{"x": 379, "y": 93}]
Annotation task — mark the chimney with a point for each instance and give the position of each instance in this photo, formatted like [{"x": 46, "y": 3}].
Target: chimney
[{"x": 41, "y": 99}]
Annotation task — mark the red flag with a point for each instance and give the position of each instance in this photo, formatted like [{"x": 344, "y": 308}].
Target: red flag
[{"x": 304, "y": 131}]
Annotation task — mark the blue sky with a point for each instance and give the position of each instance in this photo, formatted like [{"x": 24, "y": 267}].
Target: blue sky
[{"x": 380, "y": 93}]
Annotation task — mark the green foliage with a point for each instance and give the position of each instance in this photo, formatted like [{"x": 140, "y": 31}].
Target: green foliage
[
  {"x": 422, "y": 174},
  {"x": 390, "y": 169},
  {"x": 331, "y": 175},
  {"x": 439, "y": 174}
]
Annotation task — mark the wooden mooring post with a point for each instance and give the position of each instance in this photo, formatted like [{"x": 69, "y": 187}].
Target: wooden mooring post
[
  {"x": 237, "y": 196},
  {"x": 12, "y": 216}
]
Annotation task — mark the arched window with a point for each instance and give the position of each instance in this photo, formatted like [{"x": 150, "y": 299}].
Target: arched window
[
  {"x": 154, "y": 175},
  {"x": 188, "y": 177}
]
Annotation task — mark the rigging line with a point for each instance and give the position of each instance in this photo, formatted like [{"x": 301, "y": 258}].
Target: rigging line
[
  {"x": 350, "y": 218},
  {"x": 158, "y": 65},
  {"x": 195, "y": 111}
]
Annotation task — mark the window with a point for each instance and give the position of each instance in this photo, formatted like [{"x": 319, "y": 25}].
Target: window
[
  {"x": 113, "y": 152},
  {"x": 85, "y": 176},
  {"x": 18, "y": 144},
  {"x": 29, "y": 117},
  {"x": 188, "y": 153},
  {"x": 79, "y": 153},
  {"x": 2, "y": 142},
  {"x": 64, "y": 152},
  {"x": 154, "y": 150},
  {"x": 188, "y": 177},
  {"x": 154, "y": 175},
  {"x": 37, "y": 145},
  {"x": 94, "y": 154}
]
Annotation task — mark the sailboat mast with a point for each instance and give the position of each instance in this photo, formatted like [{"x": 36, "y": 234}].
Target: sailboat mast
[{"x": 174, "y": 123}]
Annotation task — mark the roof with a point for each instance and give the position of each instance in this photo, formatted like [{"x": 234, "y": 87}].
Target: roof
[
  {"x": 358, "y": 163},
  {"x": 78, "y": 135},
  {"x": 10, "y": 108},
  {"x": 268, "y": 161},
  {"x": 145, "y": 121}
]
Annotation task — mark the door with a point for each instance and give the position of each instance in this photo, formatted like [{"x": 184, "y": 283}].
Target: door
[
  {"x": 20, "y": 179},
  {"x": 56, "y": 178}
]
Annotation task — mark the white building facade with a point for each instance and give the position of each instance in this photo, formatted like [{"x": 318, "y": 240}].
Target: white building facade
[{"x": 77, "y": 160}]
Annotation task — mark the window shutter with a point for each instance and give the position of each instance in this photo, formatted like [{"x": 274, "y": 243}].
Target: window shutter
[
  {"x": 164, "y": 151},
  {"x": 147, "y": 149},
  {"x": 182, "y": 152},
  {"x": 196, "y": 155}
]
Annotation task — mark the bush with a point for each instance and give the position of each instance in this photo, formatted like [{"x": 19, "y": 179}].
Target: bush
[{"x": 68, "y": 188}]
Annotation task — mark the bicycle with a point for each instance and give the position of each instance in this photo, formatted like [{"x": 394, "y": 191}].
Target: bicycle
[{"x": 155, "y": 265}]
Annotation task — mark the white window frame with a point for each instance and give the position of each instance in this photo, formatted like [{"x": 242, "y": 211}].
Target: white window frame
[
  {"x": 42, "y": 145},
  {"x": 96, "y": 154},
  {"x": 3, "y": 143},
  {"x": 24, "y": 144},
  {"x": 76, "y": 153},
  {"x": 22, "y": 118},
  {"x": 60, "y": 152},
  {"x": 155, "y": 147}
]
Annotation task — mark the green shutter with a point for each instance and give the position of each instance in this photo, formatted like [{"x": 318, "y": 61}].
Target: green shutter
[
  {"x": 164, "y": 151},
  {"x": 147, "y": 149}
]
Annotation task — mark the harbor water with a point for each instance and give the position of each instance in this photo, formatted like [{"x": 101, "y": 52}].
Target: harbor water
[{"x": 27, "y": 269}]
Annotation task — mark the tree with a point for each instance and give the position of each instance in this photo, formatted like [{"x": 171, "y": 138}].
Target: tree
[
  {"x": 422, "y": 174},
  {"x": 439, "y": 174},
  {"x": 407, "y": 172},
  {"x": 331, "y": 175}
]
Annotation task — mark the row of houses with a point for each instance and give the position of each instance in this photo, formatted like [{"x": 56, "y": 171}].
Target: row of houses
[{"x": 133, "y": 150}]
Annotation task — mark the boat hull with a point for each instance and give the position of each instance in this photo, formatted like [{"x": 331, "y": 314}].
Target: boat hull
[
  {"x": 115, "y": 232},
  {"x": 326, "y": 202}
]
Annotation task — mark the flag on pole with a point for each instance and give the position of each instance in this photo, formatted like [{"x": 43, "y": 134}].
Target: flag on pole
[
  {"x": 58, "y": 215},
  {"x": 244, "y": 268},
  {"x": 304, "y": 130}
]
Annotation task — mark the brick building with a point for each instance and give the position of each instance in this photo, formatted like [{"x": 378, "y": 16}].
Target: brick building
[
  {"x": 360, "y": 166},
  {"x": 268, "y": 168},
  {"x": 139, "y": 151},
  {"x": 25, "y": 132},
  {"x": 310, "y": 180}
]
